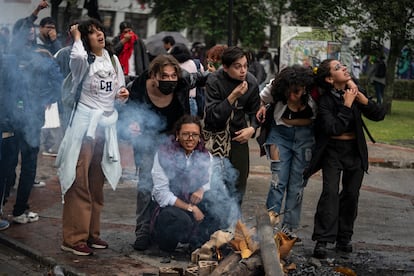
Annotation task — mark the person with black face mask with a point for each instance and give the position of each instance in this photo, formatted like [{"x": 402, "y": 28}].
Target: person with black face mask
[{"x": 158, "y": 98}]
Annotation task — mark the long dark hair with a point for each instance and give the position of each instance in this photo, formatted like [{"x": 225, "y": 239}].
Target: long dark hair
[
  {"x": 290, "y": 78},
  {"x": 85, "y": 28},
  {"x": 324, "y": 71}
]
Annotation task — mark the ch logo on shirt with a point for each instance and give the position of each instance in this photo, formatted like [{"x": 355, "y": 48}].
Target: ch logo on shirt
[{"x": 106, "y": 86}]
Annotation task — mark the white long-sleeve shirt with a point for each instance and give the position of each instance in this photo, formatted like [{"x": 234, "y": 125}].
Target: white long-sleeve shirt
[
  {"x": 103, "y": 81},
  {"x": 161, "y": 192}
]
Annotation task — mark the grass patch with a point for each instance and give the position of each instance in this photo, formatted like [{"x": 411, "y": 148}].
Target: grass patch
[{"x": 398, "y": 127}]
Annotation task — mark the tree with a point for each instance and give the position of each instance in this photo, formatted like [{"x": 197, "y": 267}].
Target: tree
[
  {"x": 375, "y": 21},
  {"x": 210, "y": 17},
  {"x": 391, "y": 21}
]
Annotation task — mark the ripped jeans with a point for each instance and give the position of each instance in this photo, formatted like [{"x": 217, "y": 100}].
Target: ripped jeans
[{"x": 294, "y": 146}]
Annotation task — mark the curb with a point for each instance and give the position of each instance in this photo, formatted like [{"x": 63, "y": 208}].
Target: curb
[
  {"x": 379, "y": 162},
  {"x": 37, "y": 255}
]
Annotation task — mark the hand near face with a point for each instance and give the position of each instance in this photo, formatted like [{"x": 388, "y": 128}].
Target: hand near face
[
  {"x": 349, "y": 96},
  {"x": 240, "y": 89},
  {"x": 361, "y": 98},
  {"x": 74, "y": 31},
  {"x": 127, "y": 36},
  {"x": 210, "y": 67},
  {"x": 43, "y": 5},
  {"x": 52, "y": 34}
]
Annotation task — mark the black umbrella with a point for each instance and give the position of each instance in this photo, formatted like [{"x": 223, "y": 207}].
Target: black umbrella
[{"x": 154, "y": 43}]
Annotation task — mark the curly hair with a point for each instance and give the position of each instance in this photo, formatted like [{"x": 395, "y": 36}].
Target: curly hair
[
  {"x": 215, "y": 52},
  {"x": 289, "y": 80}
]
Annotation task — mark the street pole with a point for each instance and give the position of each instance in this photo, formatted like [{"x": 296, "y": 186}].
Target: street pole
[{"x": 230, "y": 24}]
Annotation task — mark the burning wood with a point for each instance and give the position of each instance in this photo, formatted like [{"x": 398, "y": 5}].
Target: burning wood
[{"x": 245, "y": 243}]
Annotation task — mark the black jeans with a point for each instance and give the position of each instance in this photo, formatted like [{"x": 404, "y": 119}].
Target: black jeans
[
  {"x": 336, "y": 211},
  {"x": 10, "y": 151},
  {"x": 145, "y": 206},
  {"x": 173, "y": 225}
]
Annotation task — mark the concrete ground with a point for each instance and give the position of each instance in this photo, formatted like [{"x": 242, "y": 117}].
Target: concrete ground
[{"x": 383, "y": 238}]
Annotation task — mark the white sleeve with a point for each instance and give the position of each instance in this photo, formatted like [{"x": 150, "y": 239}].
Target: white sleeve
[
  {"x": 78, "y": 60},
  {"x": 161, "y": 190},
  {"x": 265, "y": 94}
]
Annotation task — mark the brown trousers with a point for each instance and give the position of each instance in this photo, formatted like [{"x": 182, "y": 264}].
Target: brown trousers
[{"x": 84, "y": 200}]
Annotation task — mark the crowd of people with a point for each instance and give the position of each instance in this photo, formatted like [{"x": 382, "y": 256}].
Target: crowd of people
[{"x": 188, "y": 116}]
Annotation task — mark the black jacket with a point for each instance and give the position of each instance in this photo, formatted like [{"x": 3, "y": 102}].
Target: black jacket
[
  {"x": 333, "y": 119},
  {"x": 218, "y": 109},
  {"x": 140, "y": 53}
]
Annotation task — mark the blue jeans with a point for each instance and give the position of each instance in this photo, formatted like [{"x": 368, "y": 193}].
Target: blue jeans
[
  {"x": 193, "y": 106},
  {"x": 295, "y": 151},
  {"x": 379, "y": 91}
]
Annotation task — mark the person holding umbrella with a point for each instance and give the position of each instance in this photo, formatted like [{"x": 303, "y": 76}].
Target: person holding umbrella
[{"x": 169, "y": 43}]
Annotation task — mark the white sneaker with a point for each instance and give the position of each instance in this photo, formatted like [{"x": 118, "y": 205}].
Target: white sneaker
[
  {"x": 26, "y": 217},
  {"x": 49, "y": 153},
  {"x": 39, "y": 184}
]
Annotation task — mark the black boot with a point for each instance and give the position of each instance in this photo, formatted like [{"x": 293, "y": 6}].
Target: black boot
[
  {"x": 344, "y": 246},
  {"x": 320, "y": 250}
]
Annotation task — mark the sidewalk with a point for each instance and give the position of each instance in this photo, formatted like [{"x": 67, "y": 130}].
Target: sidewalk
[{"x": 42, "y": 239}]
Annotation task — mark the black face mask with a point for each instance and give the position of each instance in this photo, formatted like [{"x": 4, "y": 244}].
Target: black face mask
[{"x": 167, "y": 87}]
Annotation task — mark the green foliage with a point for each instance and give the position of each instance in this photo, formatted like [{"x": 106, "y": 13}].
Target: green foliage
[
  {"x": 211, "y": 18},
  {"x": 403, "y": 89},
  {"x": 397, "y": 127}
]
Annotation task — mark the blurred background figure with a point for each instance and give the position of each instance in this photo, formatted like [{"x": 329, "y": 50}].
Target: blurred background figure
[
  {"x": 48, "y": 37},
  {"x": 40, "y": 80},
  {"x": 183, "y": 56},
  {"x": 51, "y": 133},
  {"x": 356, "y": 67},
  {"x": 169, "y": 43},
  {"x": 269, "y": 67},
  {"x": 131, "y": 52},
  {"x": 214, "y": 57},
  {"x": 255, "y": 67},
  {"x": 4, "y": 39},
  {"x": 198, "y": 51},
  {"x": 377, "y": 76}
]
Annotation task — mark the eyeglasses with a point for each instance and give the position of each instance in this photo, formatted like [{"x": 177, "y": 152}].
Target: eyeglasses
[
  {"x": 187, "y": 135},
  {"x": 339, "y": 66}
]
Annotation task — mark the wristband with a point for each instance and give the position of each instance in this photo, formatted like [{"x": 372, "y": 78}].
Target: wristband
[{"x": 190, "y": 208}]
